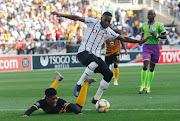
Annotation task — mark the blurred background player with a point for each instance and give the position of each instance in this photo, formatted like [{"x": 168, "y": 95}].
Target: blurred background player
[
  {"x": 112, "y": 55},
  {"x": 51, "y": 104},
  {"x": 151, "y": 50}
]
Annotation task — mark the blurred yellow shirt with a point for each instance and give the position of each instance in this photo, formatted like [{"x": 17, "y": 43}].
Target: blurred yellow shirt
[{"x": 7, "y": 36}]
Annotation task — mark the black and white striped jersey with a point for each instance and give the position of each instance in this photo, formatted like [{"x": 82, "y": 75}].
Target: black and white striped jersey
[{"x": 94, "y": 36}]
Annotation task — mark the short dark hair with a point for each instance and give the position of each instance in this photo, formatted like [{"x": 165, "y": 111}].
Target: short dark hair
[
  {"x": 50, "y": 92},
  {"x": 107, "y": 14}
]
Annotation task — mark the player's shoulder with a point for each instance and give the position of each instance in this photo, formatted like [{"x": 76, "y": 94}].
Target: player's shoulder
[
  {"x": 42, "y": 100},
  {"x": 145, "y": 23},
  {"x": 158, "y": 23},
  {"x": 110, "y": 30},
  {"x": 117, "y": 31}
]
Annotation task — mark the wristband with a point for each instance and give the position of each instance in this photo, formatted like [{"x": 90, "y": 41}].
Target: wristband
[{"x": 157, "y": 35}]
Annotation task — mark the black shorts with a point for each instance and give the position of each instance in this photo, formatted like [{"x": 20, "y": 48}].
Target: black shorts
[
  {"x": 112, "y": 59},
  {"x": 85, "y": 59}
]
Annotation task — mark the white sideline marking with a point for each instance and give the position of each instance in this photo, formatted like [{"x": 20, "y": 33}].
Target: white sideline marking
[
  {"x": 109, "y": 109},
  {"x": 136, "y": 109}
]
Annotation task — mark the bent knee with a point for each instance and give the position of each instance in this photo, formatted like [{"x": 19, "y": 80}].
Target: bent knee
[
  {"x": 93, "y": 65},
  {"x": 108, "y": 76},
  {"x": 144, "y": 68}
]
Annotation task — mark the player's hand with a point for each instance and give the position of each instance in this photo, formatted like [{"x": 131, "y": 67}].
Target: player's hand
[
  {"x": 80, "y": 114},
  {"x": 143, "y": 41},
  {"x": 153, "y": 34},
  {"x": 24, "y": 116}
]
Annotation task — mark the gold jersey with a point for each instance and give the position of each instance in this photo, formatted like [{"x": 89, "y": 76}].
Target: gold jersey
[{"x": 112, "y": 46}]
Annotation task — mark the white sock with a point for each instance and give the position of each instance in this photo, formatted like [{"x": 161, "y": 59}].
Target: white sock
[
  {"x": 88, "y": 71},
  {"x": 85, "y": 75},
  {"x": 102, "y": 87}
]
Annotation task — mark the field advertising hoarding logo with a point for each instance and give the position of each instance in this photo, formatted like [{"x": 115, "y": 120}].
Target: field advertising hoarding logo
[
  {"x": 44, "y": 60},
  {"x": 25, "y": 63}
]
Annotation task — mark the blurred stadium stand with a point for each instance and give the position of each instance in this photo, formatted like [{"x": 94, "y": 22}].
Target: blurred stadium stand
[{"x": 167, "y": 13}]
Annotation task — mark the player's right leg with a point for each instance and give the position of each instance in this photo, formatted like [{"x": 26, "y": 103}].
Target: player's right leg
[
  {"x": 82, "y": 95},
  {"x": 88, "y": 71},
  {"x": 150, "y": 77},
  {"x": 91, "y": 62},
  {"x": 146, "y": 58},
  {"x": 143, "y": 76}
]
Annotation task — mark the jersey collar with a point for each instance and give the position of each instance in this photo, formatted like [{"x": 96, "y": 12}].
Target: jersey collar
[{"x": 151, "y": 23}]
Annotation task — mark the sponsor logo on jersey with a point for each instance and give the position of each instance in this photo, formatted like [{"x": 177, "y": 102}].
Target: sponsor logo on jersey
[
  {"x": 153, "y": 29},
  {"x": 95, "y": 31},
  {"x": 111, "y": 44}
]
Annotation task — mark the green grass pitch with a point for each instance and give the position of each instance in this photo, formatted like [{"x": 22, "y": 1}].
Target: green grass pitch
[{"x": 20, "y": 90}]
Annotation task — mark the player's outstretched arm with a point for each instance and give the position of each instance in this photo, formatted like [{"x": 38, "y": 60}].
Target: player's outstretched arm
[
  {"x": 69, "y": 16},
  {"x": 162, "y": 36},
  {"x": 130, "y": 40},
  {"x": 29, "y": 111},
  {"x": 144, "y": 40}
]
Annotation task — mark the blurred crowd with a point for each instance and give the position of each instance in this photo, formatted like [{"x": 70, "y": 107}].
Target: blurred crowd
[
  {"x": 174, "y": 4},
  {"x": 133, "y": 28},
  {"x": 27, "y": 25},
  {"x": 29, "y": 22}
]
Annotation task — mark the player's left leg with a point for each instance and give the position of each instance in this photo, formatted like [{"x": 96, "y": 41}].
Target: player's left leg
[
  {"x": 107, "y": 73},
  {"x": 116, "y": 73},
  {"x": 116, "y": 69},
  {"x": 150, "y": 76},
  {"x": 59, "y": 77},
  {"x": 82, "y": 95}
]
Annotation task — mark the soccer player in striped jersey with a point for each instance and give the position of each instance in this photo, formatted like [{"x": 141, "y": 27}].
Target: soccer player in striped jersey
[
  {"x": 151, "y": 50},
  {"x": 112, "y": 55},
  {"x": 51, "y": 104},
  {"x": 89, "y": 53}
]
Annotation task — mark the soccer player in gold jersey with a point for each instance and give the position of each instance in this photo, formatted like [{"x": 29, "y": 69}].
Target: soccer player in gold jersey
[
  {"x": 51, "y": 104},
  {"x": 112, "y": 55}
]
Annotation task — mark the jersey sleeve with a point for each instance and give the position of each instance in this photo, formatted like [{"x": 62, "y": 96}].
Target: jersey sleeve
[
  {"x": 89, "y": 21},
  {"x": 161, "y": 28},
  {"x": 33, "y": 108},
  {"x": 112, "y": 35}
]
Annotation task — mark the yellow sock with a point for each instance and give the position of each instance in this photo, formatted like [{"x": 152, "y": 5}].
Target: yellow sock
[
  {"x": 55, "y": 84},
  {"x": 82, "y": 95},
  {"x": 116, "y": 74}
]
